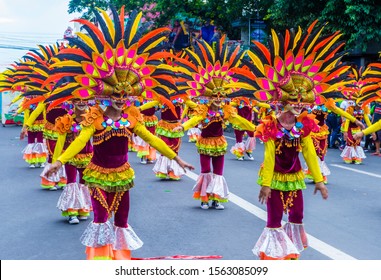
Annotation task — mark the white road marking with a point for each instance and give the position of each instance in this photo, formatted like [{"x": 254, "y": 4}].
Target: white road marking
[
  {"x": 356, "y": 170},
  {"x": 314, "y": 243}
]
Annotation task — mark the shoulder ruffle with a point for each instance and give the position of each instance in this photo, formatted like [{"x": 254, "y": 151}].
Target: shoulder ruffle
[
  {"x": 134, "y": 116},
  {"x": 229, "y": 111},
  {"x": 310, "y": 124},
  {"x": 63, "y": 124},
  {"x": 267, "y": 129},
  {"x": 94, "y": 117},
  {"x": 201, "y": 110}
]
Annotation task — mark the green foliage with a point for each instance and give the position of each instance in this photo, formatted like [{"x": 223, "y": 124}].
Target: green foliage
[{"x": 359, "y": 20}]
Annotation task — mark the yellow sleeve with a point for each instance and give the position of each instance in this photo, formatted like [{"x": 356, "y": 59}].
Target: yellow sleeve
[
  {"x": 185, "y": 111},
  {"x": 39, "y": 109},
  {"x": 309, "y": 154},
  {"x": 241, "y": 122},
  {"x": 373, "y": 128},
  {"x": 140, "y": 130},
  {"x": 234, "y": 104},
  {"x": 268, "y": 163},
  {"x": 263, "y": 105},
  {"x": 26, "y": 116},
  {"x": 367, "y": 120},
  {"x": 342, "y": 113},
  {"x": 190, "y": 104},
  {"x": 346, "y": 125},
  {"x": 192, "y": 122},
  {"x": 148, "y": 105},
  {"x": 78, "y": 144},
  {"x": 59, "y": 146}
]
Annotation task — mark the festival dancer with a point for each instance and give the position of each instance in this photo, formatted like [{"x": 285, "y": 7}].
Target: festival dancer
[
  {"x": 170, "y": 113},
  {"x": 290, "y": 75},
  {"x": 208, "y": 81},
  {"x": 145, "y": 152},
  {"x": 245, "y": 109},
  {"x": 193, "y": 133},
  {"x": 320, "y": 141},
  {"x": 74, "y": 202},
  {"x": 113, "y": 70}
]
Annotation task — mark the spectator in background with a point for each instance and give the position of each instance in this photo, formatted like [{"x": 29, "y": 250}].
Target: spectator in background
[
  {"x": 333, "y": 122},
  {"x": 216, "y": 36},
  {"x": 207, "y": 32},
  {"x": 181, "y": 39}
]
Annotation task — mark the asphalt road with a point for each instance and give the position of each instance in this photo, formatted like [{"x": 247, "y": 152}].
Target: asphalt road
[{"x": 170, "y": 222}]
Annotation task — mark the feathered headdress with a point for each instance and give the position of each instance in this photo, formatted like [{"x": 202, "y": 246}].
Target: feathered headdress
[
  {"x": 205, "y": 71},
  {"x": 295, "y": 68},
  {"x": 112, "y": 59},
  {"x": 29, "y": 75}
]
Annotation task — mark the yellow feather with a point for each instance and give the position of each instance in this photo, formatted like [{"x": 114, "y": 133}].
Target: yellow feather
[
  {"x": 41, "y": 72},
  {"x": 154, "y": 44},
  {"x": 43, "y": 52},
  {"x": 312, "y": 44},
  {"x": 87, "y": 40},
  {"x": 297, "y": 37},
  {"x": 275, "y": 41},
  {"x": 257, "y": 61},
  {"x": 69, "y": 63},
  {"x": 68, "y": 86},
  {"x": 109, "y": 23},
  {"x": 240, "y": 85},
  {"x": 195, "y": 56},
  {"x": 333, "y": 41},
  {"x": 134, "y": 28}
]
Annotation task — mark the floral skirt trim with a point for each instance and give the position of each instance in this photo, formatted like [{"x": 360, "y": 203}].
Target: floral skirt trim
[
  {"x": 212, "y": 146},
  {"x": 81, "y": 160},
  {"x": 109, "y": 179}
]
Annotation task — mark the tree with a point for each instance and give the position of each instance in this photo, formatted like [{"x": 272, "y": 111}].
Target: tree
[{"x": 358, "y": 20}]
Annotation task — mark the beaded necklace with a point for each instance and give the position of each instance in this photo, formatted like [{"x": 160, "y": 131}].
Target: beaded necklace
[
  {"x": 75, "y": 127},
  {"x": 111, "y": 124}
]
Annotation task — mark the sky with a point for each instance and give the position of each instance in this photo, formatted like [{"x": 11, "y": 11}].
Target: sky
[{"x": 26, "y": 23}]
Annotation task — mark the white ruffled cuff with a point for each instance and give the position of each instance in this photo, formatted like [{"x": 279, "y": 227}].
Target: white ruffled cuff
[{"x": 274, "y": 244}]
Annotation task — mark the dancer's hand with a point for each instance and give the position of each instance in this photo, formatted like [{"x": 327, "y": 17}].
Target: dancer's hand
[
  {"x": 178, "y": 128},
  {"x": 23, "y": 133},
  {"x": 322, "y": 188},
  {"x": 53, "y": 169},
  {"x": 360, "y": 124},
  {"x": 183, "y": 164},
  {"x": 358, "y": 135},
  {"x": 264, "y": 194},
  {"x": 374, "y": 136}
]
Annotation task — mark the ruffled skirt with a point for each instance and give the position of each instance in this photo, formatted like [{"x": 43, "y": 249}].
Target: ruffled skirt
[
  {"x": 75, "y": 200},
  {"x": 211, "y": 187},
  {"x": 166, "y": 168},
  {"x": 35, "y": 153},
  {"x": 58, "y": 178}
]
